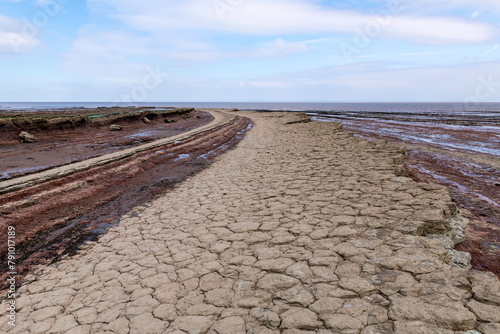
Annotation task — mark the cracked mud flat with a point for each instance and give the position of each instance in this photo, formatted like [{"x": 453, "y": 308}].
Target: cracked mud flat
[
  {"x": 301, "y": 228},
  {"x": 466, "y": 159}
]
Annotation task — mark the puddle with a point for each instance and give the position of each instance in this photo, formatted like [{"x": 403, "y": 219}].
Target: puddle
[
  {"x": 182, "y": 157},
  {"x": 19, "y": 171}
]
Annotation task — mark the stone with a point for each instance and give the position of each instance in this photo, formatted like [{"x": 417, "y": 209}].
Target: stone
[
  {"x": 230, "y": 325},
  {"x": 275, "y": 265},
  {"x": 297, "y": 295},
  {"x": 326, "y": 306},
  {"x": 63, "y": 324},
  {"x": 378, "y": 329},
  {"x": 301, "y": 271},
  {"x": 219, "y": 297},
  {"x": 86, "y": 315},
  {"x": 146, "y": 323},
  {"x": 25, "y": 137},
  {"x": 486, "y": 287},
  {"x": 85, "y": 329},
  {"x": 120, "y": 325},
  {"x": 183, "y": 109},
  {"x": 416, "y": 327},
  {"x": 489, "y": 328},
  {"x": 211, "y": 281},
  {"x": 193, "y": 324},
  {"x": 485, "y": 312},
  {"x": 390, "y": 282},
  {"x": 276, "y": 282},
  {"x": 348, "y": 269},
  {"x": 147, "y": 120},
  {"x": 203, "y": 310},
  {"x": 452, "y": 316},
  {"x": 165, "y": 312},
  {"x": 343, "y": 324},
  {"x": 46, "y": 313},
  {"x": 115, "y": 127},
  {"x": 299, "y": 318},
  {"x": 460, "y": 259},
  {"x": 359, "y": 285}
]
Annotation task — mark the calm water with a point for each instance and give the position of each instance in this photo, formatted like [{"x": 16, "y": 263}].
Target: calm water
[{"x": 446, "y": 108}]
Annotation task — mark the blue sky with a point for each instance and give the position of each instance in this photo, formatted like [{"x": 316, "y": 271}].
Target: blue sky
[{"x": 250, "y": 50}]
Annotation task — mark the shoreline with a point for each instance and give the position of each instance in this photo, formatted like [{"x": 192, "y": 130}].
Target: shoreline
[
  {"x": 472, "y": 178},
  {"x": 301, "y": 227}
]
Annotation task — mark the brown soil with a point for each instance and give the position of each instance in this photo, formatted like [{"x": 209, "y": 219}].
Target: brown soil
[
  {"x": 56, "y": 147},
  {"x": 51, "y": 219}
]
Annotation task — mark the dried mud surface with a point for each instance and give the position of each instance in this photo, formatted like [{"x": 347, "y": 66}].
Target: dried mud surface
[
  {"x": 452, "y": 157},
  {"x": 302, "y": 228}
]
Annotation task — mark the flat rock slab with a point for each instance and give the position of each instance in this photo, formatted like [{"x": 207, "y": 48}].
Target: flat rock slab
[{"x": 302, "y": 228}]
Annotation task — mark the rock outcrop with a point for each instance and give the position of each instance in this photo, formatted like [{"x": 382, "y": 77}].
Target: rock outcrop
[
  {"x": 25, "y": 137},
  {"x": 115, "y": 127}
]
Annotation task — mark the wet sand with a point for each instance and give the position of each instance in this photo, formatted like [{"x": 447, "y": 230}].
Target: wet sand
[{"x": 302, "y": 228}]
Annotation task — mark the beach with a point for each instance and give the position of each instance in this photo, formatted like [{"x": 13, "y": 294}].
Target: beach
[{"x": 300, "y": 228}]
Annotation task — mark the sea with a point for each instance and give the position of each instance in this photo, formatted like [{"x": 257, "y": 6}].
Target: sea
[{"x": 447, "y": 108}]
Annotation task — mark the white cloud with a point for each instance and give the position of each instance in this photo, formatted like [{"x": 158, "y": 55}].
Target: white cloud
[
  {"x": 433, "y": 6},
  {"x": 383, "y": 81},
  {"x": 184, "y": 33},
  {"x": 361, "y": 82},
  {"x": 281, "y": 17},
  {"x": 364, "y": 82},
  {"x": 493, "y": 48},
  {"x": 106, "y": 55},
  {"x": 280, "y": 47},
  {"x": 15, "y": 38}
]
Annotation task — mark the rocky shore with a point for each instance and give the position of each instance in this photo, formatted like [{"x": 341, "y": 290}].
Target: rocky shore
[
  {"x": 53, "y": 211},
  {"x": 35, "y": 141},
  {"x": 465, "y": 159},
  {"x": 302, "y": 228}
]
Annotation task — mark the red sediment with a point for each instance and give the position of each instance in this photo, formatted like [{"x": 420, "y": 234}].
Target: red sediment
[
  {"x": 55, "y": 147},
  {"x": 53, "y": 218}
]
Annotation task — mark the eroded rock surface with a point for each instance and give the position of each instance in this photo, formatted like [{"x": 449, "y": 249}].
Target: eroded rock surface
[
  {"x": 25, "y": 137},
  {"x": 302, "y": 228}
]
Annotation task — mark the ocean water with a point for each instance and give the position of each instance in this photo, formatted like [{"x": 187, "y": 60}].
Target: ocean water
[{"x": 492, "y": 109}]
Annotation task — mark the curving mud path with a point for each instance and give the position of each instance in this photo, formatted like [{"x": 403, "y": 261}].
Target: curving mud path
[{"x": 53, "y": 218}]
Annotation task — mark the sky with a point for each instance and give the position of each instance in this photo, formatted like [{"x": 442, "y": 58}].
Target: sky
[{"x": 249, "y": 51}]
